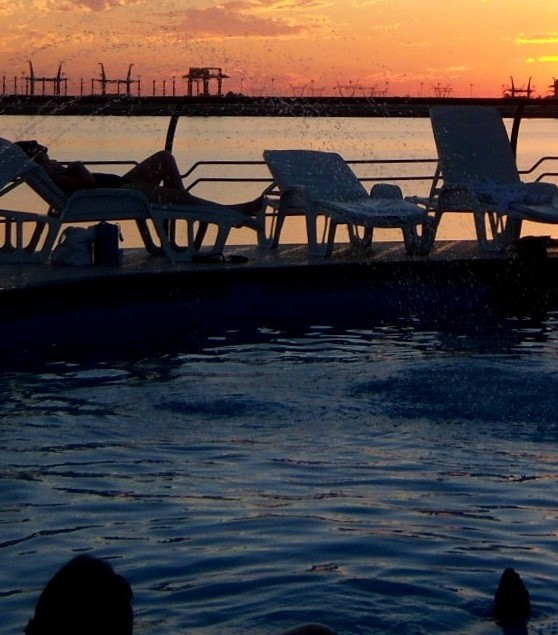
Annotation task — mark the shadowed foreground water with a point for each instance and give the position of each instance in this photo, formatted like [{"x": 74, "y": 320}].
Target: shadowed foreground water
[{"x": 376, "y": 480}]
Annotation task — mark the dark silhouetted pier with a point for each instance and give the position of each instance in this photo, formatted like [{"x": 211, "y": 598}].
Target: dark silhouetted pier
[{"x": 245, "y": 106}]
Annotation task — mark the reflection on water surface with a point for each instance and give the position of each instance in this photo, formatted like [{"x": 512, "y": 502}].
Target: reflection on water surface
[{"x": 375, "y": 479}]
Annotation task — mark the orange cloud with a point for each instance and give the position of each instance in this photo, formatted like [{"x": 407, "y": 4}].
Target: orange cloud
[
  {"x": 223, "y": 22},
  {"x": 96, "y": 5},
  {"x": 361, "y": 4},
  {"x": 281, "y": 5},
  {"x": 248, "y": 18},
  {"x": 386, "y": 28}
]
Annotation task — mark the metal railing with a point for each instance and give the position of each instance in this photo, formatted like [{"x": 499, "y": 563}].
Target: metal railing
[
  {"x": 267, "y": 180},
  {"x": 387, "y": 170},
  {"x": 516, "y": 108},
  {"x": 542, "y": 175}
]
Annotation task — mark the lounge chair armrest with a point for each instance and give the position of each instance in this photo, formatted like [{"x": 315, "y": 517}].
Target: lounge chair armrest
[
  {"x": 457, "y": 197},
  {"x": 456, "y": 187},
  {"x": 423, "y": 201},
  {"x": 293, "y": 199},
  {"x": 102, "y": 194},
  {"x": 25, "y": 217},
  {"x": 106, "y": 204},
  {"x": 386, "y": 190}
]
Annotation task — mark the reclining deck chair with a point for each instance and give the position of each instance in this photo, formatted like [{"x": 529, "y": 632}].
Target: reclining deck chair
[
  {"x": 315, "y": 183},
  {"x": 100, "y": 204},
  {"x": 479, "y": 173}
]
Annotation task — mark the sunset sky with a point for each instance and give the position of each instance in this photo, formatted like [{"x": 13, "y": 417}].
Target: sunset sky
[{"x": 404, "y": 47}]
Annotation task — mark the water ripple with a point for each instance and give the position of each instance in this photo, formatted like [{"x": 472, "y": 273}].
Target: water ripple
[{"x": 376, "y": 479}]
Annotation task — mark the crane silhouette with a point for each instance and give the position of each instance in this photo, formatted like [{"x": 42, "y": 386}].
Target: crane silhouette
[
  {"x": 127, "y": 82},
  {"x": 57, "y": 81}
]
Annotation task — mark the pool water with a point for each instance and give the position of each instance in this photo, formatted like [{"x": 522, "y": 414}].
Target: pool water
[{"x": 377, "y": 480}]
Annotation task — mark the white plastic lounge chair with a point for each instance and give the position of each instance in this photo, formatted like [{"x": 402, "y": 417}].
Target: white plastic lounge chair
[
  {"x": 317, "y": 183},
  {"x": 479, "y": 173},
  {"x": 101, "y": 204}
]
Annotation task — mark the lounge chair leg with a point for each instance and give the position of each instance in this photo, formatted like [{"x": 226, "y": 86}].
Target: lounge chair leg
[
  {"x": 276, "y": 231},
  {"x": 312, "y": 232},
  {"x": 200, "y": 235},
  {"x": 360, "y": 241},
  {"x": 223, "y": 232},
  {"x": 420, "y": 244},
  {"x": 513, "y": 229},
  {"x": 267, "y": 232},
  {"x": 36, "y": 237},
  {"x": 504, "y": 231},
  {"x": 150, "y": 245},
  {"x": 412, "y": 240},
  {"x": 330, "y": 240},
  {"x": 39, "y": 246},
  {"x": 494, "y": 243},
  {"x": 325, "y": 246}
]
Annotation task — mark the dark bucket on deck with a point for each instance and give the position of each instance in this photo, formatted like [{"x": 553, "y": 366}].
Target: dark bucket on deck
[{"x": 106, "y": 245}]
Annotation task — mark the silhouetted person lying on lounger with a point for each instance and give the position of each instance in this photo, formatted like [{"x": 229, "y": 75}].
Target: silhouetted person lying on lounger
[{"x": 157, "y": 176}]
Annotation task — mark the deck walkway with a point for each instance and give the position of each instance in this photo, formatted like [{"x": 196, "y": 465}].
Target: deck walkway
[
  {"x": 55, "y": 312},
  {"x": 136, "y": 262}
]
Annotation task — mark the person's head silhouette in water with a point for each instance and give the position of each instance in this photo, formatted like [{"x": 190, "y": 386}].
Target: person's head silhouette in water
[{"x": 87, "y": 597}]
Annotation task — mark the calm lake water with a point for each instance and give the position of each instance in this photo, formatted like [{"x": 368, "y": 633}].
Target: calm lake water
[{"x": 377, "y": 480}]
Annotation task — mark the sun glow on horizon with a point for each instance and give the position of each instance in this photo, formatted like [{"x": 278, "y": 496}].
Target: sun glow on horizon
[{"x": 284, "y": 47}]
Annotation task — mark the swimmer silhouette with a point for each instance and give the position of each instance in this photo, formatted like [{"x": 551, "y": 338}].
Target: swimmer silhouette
[
  {"x": 512, "y": 605},
  {"x": 87, "y": 597}
]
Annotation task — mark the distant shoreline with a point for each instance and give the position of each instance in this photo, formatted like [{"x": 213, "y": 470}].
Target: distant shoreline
[{"x": 243, "y": 106}]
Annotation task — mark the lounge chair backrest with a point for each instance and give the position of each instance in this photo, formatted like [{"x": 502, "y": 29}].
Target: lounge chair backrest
[
  {"x": 14, "y": 164},
  {"x": 323, "y": 175},
  {"x": 40, "y": 182},
  {"x": 473, "y": 145}
]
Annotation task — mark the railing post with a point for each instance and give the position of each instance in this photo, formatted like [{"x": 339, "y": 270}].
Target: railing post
[
  {"x": 515, "y": 127},
  {"x": 171, "y": 130}
]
